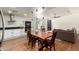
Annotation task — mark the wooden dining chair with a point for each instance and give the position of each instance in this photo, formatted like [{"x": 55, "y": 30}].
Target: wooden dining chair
[
  {"x": 34, "y": 41},
  {"x": 49, "y": 43},
  {"x": 29, "y": 37}
]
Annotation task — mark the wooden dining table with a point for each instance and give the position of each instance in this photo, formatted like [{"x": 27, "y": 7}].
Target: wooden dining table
[{"x": 42, "y": 35}]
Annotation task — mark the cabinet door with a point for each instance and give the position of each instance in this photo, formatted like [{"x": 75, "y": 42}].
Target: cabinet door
[
  {"x": 15, "y": 32},
  {"x": 7, "y": 34}
]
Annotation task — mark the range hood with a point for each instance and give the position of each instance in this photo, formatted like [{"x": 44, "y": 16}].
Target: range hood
[{"x": 11, "y": 18}]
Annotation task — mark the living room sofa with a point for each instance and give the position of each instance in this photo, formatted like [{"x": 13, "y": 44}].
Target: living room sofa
[{"x": 66, "y": 35}]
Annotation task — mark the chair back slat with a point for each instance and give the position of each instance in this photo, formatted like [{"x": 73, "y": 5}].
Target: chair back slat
[{"x": 53, "y": 37}]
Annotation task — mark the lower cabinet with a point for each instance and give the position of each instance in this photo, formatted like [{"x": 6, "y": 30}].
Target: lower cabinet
[{"x": 9, "y": 34}]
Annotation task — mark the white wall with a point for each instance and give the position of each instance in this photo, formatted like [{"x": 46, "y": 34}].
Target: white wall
[{"x": 66, "y": 22}]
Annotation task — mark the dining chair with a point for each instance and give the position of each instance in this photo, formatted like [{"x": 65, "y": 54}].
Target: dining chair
[
  {"x": 34, "y": 41},
  {"x": 48, "y": 43},
  {"x": 29, "y": 37}
]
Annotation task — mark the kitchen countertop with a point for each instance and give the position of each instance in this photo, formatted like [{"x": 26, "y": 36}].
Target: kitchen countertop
[{"x": 10, "y": 28}]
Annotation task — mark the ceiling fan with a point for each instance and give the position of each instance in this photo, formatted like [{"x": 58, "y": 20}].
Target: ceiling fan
[{"x": 56, "y": 16}]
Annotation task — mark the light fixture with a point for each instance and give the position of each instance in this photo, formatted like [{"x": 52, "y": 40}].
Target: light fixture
[
  {"x": 39, "y": 10},
  {"x": 56, "y": 16},
  {"x": 43, "y": 7},
  {"x": 25, "y": 14},
  {"x": 36, "y": 10},
  {"x": 43, "y": 17},
  {"x": 9, "y": 11}
]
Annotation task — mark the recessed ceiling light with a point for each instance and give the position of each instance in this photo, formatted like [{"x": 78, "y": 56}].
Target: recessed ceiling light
[
  {"x": 25, "y": 14},
  {"x": 9, "y": 11}
]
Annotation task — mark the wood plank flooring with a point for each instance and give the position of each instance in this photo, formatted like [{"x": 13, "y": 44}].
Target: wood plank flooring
[{"x": 21, "y": 44}]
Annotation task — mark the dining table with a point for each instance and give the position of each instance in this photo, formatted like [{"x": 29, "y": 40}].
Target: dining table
[{"x": 41, "y": 37}]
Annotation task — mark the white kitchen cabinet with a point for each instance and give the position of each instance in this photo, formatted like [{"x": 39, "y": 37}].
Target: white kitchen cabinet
[{"x": 9, "y": 34}]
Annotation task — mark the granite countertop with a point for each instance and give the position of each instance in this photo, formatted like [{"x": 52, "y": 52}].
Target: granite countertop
[{"x": 9, "y": 28}]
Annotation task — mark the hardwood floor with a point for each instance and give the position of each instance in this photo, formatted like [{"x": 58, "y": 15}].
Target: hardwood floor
[{"x": 20, "y": 44}]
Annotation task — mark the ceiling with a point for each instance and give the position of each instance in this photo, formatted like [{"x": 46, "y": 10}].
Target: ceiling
[
  {"x": 47, "y": 11},
  {"x": 17, "y": 10}
]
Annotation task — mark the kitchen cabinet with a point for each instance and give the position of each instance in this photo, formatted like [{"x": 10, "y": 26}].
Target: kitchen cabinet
[{"x": 10, "y": 34}]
